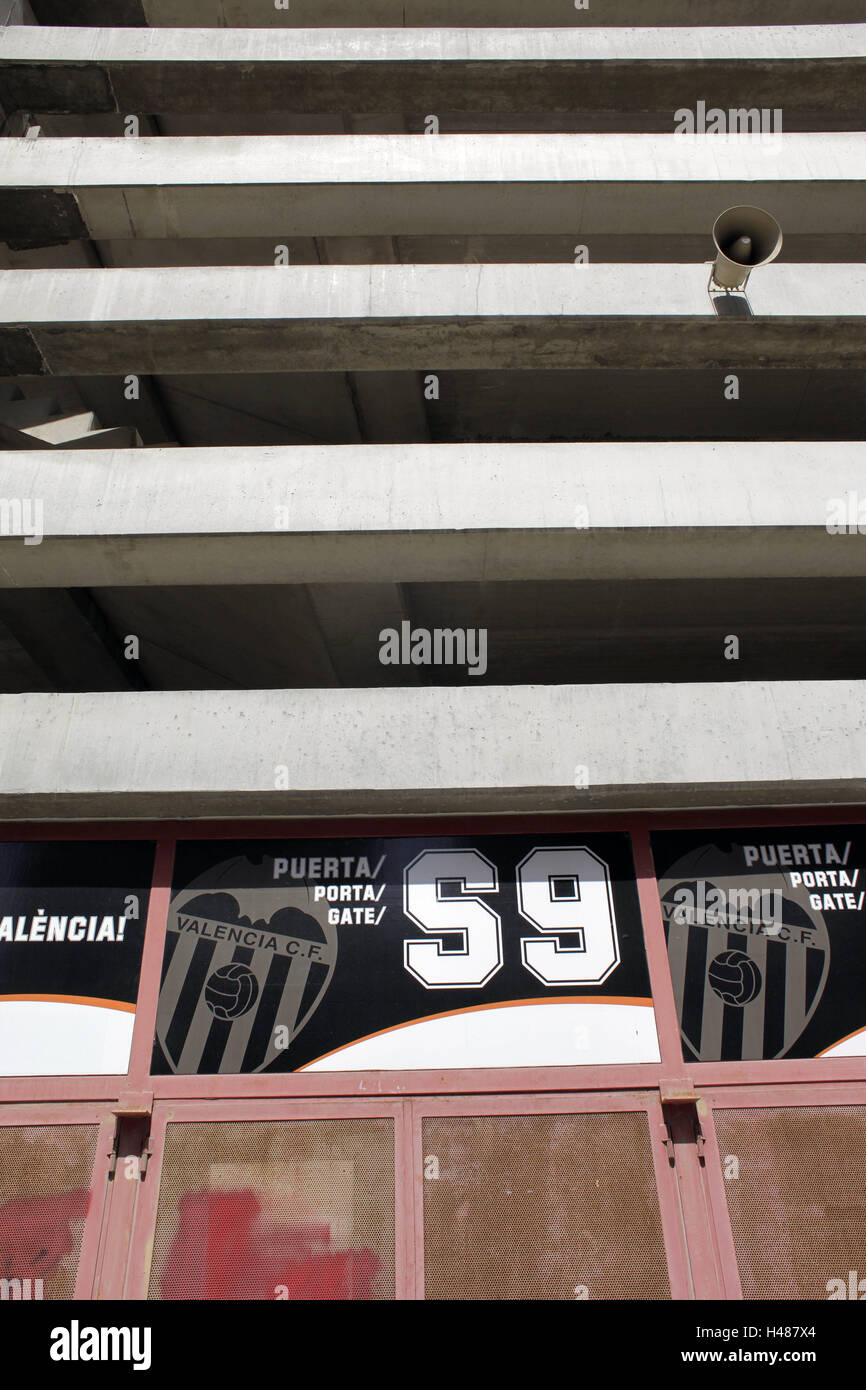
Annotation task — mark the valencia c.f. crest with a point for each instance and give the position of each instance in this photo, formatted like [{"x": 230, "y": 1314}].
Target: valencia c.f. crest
[
  {"x": 749, "y": 956},
  {"x": 247, "y": 964}
]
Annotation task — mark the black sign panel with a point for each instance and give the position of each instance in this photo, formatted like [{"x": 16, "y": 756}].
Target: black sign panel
[
  {"x": 766, "y": 937},
  {"x": 403, "y": 953},
  {"x": 72, "y": 919}
]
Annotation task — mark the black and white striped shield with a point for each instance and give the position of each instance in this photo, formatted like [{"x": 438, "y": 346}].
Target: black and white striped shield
[
  {"x": 749, "y": 956},
  {"x": 247, "y": 963}
]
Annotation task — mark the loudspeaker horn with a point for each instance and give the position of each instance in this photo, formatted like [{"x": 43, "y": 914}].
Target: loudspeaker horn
[{"x": 744, "y": 238}]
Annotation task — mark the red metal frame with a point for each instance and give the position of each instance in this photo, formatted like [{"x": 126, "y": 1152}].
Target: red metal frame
[
  {"x": 667, "y": 1023},
  {"x": 517, "y": 1080},
  {"x": 151, "y": 964},
  {"x": 723, "y": 1236},
  {"x": 764, "y": 1097},
  {"x": 454, "y": 824}
]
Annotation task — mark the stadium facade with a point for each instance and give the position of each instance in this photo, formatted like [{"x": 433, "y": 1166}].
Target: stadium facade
[{"x": 433, "y": 765}]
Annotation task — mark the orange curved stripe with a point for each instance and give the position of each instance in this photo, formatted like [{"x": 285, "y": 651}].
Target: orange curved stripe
[
  {"x": 483, "y": 1008},
  {"x": 855, "y": 1034},
  {"x": 68, "y": 999}
]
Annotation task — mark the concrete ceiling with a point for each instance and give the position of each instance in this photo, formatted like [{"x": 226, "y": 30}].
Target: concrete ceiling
[
  {"x": 327, "y": 635},
  {"x": 302, "y": 14},
  {"x": 497, "y": 406}
]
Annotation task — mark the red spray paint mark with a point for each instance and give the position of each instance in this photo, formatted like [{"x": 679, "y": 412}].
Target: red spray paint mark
[{"x": 217, "y": 1253}]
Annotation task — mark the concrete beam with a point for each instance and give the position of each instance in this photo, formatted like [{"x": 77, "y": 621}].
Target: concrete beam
[
  {"x": 424, "y": 317},
  {"x": 436, "y": 513},
  {"x": 389, "y": 185},
  {"x": 304, "y": 14},
  {"x": 412, "y": 751},
  {"x": 813, "y": 67}
]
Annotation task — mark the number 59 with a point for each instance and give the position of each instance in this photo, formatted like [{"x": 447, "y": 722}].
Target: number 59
[{"x": 561, "y": 889}]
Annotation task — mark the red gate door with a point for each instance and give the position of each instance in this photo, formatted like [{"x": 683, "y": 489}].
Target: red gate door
[
  {"x": 546, "y": 1197},
  {"x": 790, "y": 1186},
  {"x": 272, "y": 1200},
  {"x": 54, "y": 1162}
]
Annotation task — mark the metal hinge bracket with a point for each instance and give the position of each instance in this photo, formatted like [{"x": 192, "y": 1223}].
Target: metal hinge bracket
[{"x": 132, "y": 1113}]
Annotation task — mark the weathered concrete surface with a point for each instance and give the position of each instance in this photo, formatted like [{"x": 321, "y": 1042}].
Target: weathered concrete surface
[
  {"x": 409, "y": 751},
  {"x": 446, "y": 513},
  {"x": 496, "y": 44},
  {"x": 818, "y": 67},
  {"x": 385, "y": 185},
  {"x": 356, "y": 318}
]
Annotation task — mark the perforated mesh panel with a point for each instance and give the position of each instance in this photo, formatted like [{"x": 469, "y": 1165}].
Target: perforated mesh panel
[
  {"x": 297, "y": 1209},
  {"x": 798, "y": 1204},
  {"x": 45, "y": 1177},
  {"x": 542, "y": 1206}
]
